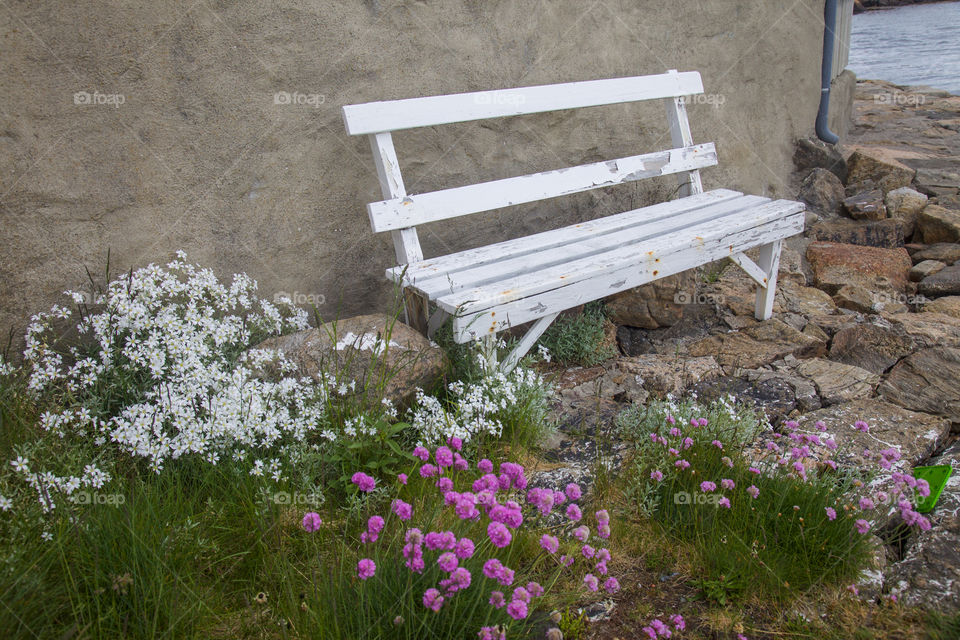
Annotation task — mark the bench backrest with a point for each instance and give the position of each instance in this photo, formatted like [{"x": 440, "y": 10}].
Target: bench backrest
[{"x": 401, "y": 213}]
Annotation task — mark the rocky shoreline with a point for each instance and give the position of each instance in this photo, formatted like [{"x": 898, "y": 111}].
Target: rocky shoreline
[
  {"x": 860, "y": 6},
  {"x": 866, "y": 324}
]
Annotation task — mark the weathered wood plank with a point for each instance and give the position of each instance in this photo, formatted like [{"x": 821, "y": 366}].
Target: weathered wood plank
[
  {"x": 470, "y": 325},
  {"x": 417, "y": 209},
  {"x": 690, "y": 182},
  {"x": 578, "y": 248},
  {"x": 393, "y": 115},
  {"x": 454, "y": 262},
  {"x": 769, "y": 263}
]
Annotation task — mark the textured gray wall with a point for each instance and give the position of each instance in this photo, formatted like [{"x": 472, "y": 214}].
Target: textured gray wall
[{"x": 199, "y": 157}]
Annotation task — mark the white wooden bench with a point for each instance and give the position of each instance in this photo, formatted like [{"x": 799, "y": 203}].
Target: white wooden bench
[{"x": 491, "y": 288}]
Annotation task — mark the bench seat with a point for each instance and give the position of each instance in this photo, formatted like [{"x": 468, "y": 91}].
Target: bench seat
[{"x": 509, "y": 283}]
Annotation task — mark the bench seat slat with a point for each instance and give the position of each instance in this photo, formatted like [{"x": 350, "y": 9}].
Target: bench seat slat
[
  {"x": 646, "y": 254},
  {"x": 453, "y": 262},
  {"x": 413, "y": 210},
  {"x": 777, "y": 220},
  {"x": 581, "y": 247},
  {"x": 394, "y": 115}
]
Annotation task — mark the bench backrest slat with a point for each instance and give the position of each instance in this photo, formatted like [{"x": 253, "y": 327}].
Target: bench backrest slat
[
  {"x": 394, "y": 115},
  {"x": 409, "y": 211}
]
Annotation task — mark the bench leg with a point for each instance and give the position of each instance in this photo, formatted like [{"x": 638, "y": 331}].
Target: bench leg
[
  {"x": 416, "y": 310},
  {"x": 769, "y": 263},
  {"x": 526, "y": 343}
]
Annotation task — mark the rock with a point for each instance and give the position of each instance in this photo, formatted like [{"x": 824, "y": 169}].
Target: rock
[
  {"x": 927, "y": 329},
  {"x": 758, "y": 345},
  {"x": 917, "y": 435},
  {"x": 913, "y": 247},
  {"x": 948, "y": 305},
  {"x": 837, "y": 382},
  {"x": 938, "y": 224},
  {"x": 926, "y": 381},
  {"x": 654, "y": 305},
  {"x": 905, "y": 204},
  {"x": 813, "y": 153},
  {"x": 822, "y": 191},
  {"x": 663, "y": 374},
  {"x": 870, "y": 347},
  {"x": 947, "y": 252},
  {"x": 877, "y": 233},
  {"x": 867, "y": 205},
  {"x": 805, "y": 300},
  {"x": 776, "y": 394},
  {"x": 879, "y": 165},
  {"x": 830, "y": 324},
  {"x": 861, "y": 300},
  {"x": 374, "y": 350},
  {"x": 949, "y": 202},
  {"x": 737, "y": 291},
  {"x": 945, "y": 282},
  {"x": 938, "y": 181},
  {"x": 814, "y": 331},
  {"x": 633, "y": 342},
  {"x": 929, "y": 573},
  {"x": 835, "y": 265},
  {"x": 925, "y": 268}
]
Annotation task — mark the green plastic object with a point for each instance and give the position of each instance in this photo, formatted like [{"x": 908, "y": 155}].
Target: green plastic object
[{"x": 936, "y": 476}]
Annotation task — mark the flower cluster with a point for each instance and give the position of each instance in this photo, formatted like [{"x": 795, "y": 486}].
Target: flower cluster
[{"x": 172, "y": 339}]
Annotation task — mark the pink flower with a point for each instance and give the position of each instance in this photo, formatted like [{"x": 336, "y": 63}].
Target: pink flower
[
  {"x": 612, "y": 585},
  {"x": 368, "y": 536},
  {"x": 517, "y": 609},
  {"x": 603, "y": 517},
  {"x": 375, "y": 524},
  {"x": 707, "y": 487},
  {"x": 465, "y": 548},
  {"x": 678, "y": 622},
  {"x": 402, "y": 477},
  {"x": 866, "y": 504},
  {"x": 455, "y": 443},
  {"x": 366, "y": 568},
  {"x": 491, "y": 633},
  {"x": 681, "y": 464},
  {"x": 499, "y": 534},
  {"x": 671, "y": 419},
  {"x": 491, "y": 568},
  {"x": 724, "y": 502},
  {"x": 573, "y": 491},
  {"x": 687, "y": 443},
  {"x": 656, "y": 475},
  {"x": 444, "y": 457},
  {"x": 445, "y": 485},
  {"x": 590, "y": 582},
  {"x": 549, "y": 543},
  {"x": 573, "y": 512},
  {"x": 485, "y": 466},
  {"x": 460, "y": 463},
  {"x": 727, "y": 483},
  {"x": 717, "y": 444},
  {"x": 860, "y": 425},
  {"x": 363, "y": 481},
  {"x": 831, "y": 513},
  {"x": 497, "y": 600},
  {"x": 428, "y": 471},
  {"x": 862, "y": 525},
  {"x": 588, "y": 551},
  {"x": 459, "y": 579},
  {"x": 448, "y": 561},
  {"x": 534, "y": 589},
  {"x": 703, "y": 422},
  {"x": 753, "y": 470},
  {"x": 603, "y": 530},
  {"x": 753, "y": 491},
  {"x": 422, "y": 453},
  {"x": 601, "y": 568},
  {"x": 581, "y": 533},
  {"x": 432, "y": 599},
  {"x": 820, "y": 425},
  {"x": 311, "y": 521},
  {"x": 521, "y": 594},
  {"x": 403, "y": 510}
]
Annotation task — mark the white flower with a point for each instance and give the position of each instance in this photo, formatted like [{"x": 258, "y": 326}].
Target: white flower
[
  {"x": 5, "y": 503},
  {"x": 21, "y": 465}
]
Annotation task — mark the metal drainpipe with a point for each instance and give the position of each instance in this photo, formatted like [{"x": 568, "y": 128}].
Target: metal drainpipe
[{"x": 826, "y": 72}]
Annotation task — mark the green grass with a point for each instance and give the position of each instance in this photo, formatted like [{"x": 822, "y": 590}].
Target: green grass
[{"x": 579, "y": 339}]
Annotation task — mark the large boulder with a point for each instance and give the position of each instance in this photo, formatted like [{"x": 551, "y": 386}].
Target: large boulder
[
  {"x": 871, "y": 347},
  {"x": 878, "y": 165},
  {"x": 806, "y": 301},
  {"x": 669, "y": 374},
  {"x": 929, "y": 329},
  {"x": 777, "y": 394},
  {"x": 943, "y": 282},
  {"x": 812, "y": 153},
  {"x": 946, "y": 252},
  {"x": 905, "y": 204},
  {"x": 654, "y": 305},
  {"x": 376, "y": 352},
  {"x": 926, "y": 381},
  {"x": 939, "y": 224},
  {"x": 757, "y": 345},
  {"x": 822, "y": 191},
  {"x": 835, "y": 265},
  {"x": 947, "y": 305}
]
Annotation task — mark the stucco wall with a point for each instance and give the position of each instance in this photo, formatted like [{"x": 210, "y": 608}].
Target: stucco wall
[{"x": 199, "y": 156}]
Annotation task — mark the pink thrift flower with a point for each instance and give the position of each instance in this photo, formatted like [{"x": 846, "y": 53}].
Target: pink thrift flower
[
  {"x": 445, "y": 485},
  {"x": 866, "y": 504},
  {"x": 497, "y": 600},
  {"x": 567, "y": 560},
  {"x": 753, "y": 491},
  {"x": 754, "y": 470},
  {"x": 491, "y": 567},
  {"x": 573, "y": 491},
  {"x": 366, "y": 568},
  {"x": 455, "y": 443},
  {"x": 717, "y": 444},
  {"x": 549, "y": 543},
  {"x": 727, "y": 483},
  {"x": 612, "y": 585},
  {"x": 422, "y": 453},
  {"x": 464, "y": 548},
  {"x": 311, "y": 521},
  {"x": 521, "y": 594},
  {"x": 590, "y": 582},
  {"x": 707, "y": 487},
  {"x": 831, "y": 513},
  {"x": 573, "y": 512},
  {"x": 601, "y": 568},
  {"x": 485, "y": 466},
  {"x": 402, "y": 477},
  {"x": 820, "y": 425},
  {"x": 368, "y": 536},
  {"x": 588, "y": 551},
  {"x": 428, "y": 471},
  {"x": 363, "y": 481},
  {"x": 860, "y": 425},
  {"x": 656, "y": 475},
  {"x": 499, "y": 534},
  {"x": 862, "y": 525},
  {"x": 534, "y": 589},
  {"x": 671, "y": 419},
  {"x": 675, "y": 433},
  {"x": 444, "y": 457},
  {"x": 724, "y": 502},
  {"x": 517, "y": 609},
  {"x": 603, "y": 516},
  {"x": 687, "y": 443},
  {"x": 581, "y": 533},
  {"x": 432, "y": 599},
  {"x": 375, "y": 524},
  {"x": 448, "y": 561},
  {"x": 678, "y": 622},
  {"x": 682, "y": 464},
  {"x": 460, "y": 463},
  {"x": 403, "y": 510},
  {"x": 703, "y": 422},
  {"x": 603, "y": 530}
]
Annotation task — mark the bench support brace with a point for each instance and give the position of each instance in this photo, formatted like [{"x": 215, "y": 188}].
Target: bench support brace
[
  {"x": 526, "y": 343},
  {"x": 769, "y": 264}
]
